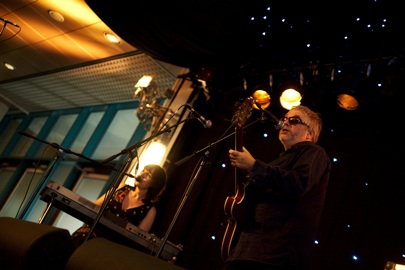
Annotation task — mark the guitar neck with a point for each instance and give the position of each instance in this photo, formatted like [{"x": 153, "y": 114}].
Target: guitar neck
[
  {"x": 239, "y": 139},
  {"x": 239, "y": 177},
  {"x": 239, "y": 118}
]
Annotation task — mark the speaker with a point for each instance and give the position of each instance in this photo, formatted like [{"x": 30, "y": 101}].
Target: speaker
[
  {"x": 100, "y": 253},
  {"x": 28, "y": 245}
]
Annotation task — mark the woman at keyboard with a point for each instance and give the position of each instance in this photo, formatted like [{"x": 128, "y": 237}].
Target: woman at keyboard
[{"x": 134, "y": 204}]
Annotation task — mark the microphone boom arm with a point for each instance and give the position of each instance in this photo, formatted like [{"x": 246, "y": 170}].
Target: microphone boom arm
[
  {"x": 140, "y": 143},
  {"x": 279, "y": 124}
]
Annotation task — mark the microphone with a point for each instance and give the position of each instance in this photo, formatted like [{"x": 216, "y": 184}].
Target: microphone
[
  {"x": 205, "y": 122},
  {"x": 279, "y": 125},
  {"x": 138, "y": 178},
  {"x": 7, "y": 21}
]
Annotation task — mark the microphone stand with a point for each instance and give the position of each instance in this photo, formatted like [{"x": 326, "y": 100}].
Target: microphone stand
[
  {"x": 108, "y": 197},
  {"x": 132, "y": 151},
  {"x": 59, "y": 154},
  {"x": 203, "y": 161},
  {"x": 190, "y": 186}
]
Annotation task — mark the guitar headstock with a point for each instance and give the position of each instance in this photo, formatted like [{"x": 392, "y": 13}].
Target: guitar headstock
[{"x": 243, "y": 112}]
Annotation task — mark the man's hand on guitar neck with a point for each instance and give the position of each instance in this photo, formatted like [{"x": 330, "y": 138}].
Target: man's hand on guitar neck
[{"x": 242, "y": 160}]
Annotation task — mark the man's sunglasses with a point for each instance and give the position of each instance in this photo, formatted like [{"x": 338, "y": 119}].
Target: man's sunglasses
[{"x": 293, "y": 120}]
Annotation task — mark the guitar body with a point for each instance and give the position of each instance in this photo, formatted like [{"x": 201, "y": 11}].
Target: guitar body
[
  {"x": 233, "y": 207},
  {"x": 235, "y": 211}
]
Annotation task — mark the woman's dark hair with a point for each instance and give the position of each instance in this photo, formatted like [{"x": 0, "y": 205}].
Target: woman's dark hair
[{"x": 158, "y": 185}]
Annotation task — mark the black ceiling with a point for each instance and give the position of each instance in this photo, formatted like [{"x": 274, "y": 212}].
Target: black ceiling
[{"x": 214, "y": 33}]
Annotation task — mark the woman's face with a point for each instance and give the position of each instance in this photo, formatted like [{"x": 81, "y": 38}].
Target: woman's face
[{"x": 144, "y": 179}]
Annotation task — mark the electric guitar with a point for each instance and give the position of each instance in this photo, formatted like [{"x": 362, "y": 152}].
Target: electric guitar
[{"x": 239, "y": 119}]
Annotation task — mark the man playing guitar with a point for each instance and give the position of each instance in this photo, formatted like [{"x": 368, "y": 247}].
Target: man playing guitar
[{"x": 288, "y": 198}]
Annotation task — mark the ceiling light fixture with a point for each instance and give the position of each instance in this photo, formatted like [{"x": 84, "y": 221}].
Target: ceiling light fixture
[
  {"x": 56, "y": 16},
  {"x": 9, "y": 66},
  {"x": 112, "y": 38}
]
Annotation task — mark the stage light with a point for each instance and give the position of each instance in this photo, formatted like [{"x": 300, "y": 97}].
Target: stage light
[
  {"x": 144, "y": 81},
  {"x": 261, "y": 97},
  {"x": 349, "y": 93},
  {"x": 150, "y": 111},
  {"x": 394, "y": 266},
  {"x": 291, "y": 93},
  {"x": 290, "y": 98},
  {"x": 347, "y": 102}
]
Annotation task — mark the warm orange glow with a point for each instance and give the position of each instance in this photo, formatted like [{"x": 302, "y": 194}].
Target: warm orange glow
[
  {"x": 261, "y": 97},
  {"x": 144, "y": 81},
  {"x": 82, "y": 11},
  {"x": 347, "y": 102},
  {"x": 290, "y": 98},
  {"x": 83, "y": 37},
  {"x": 112, "y": 38}
]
